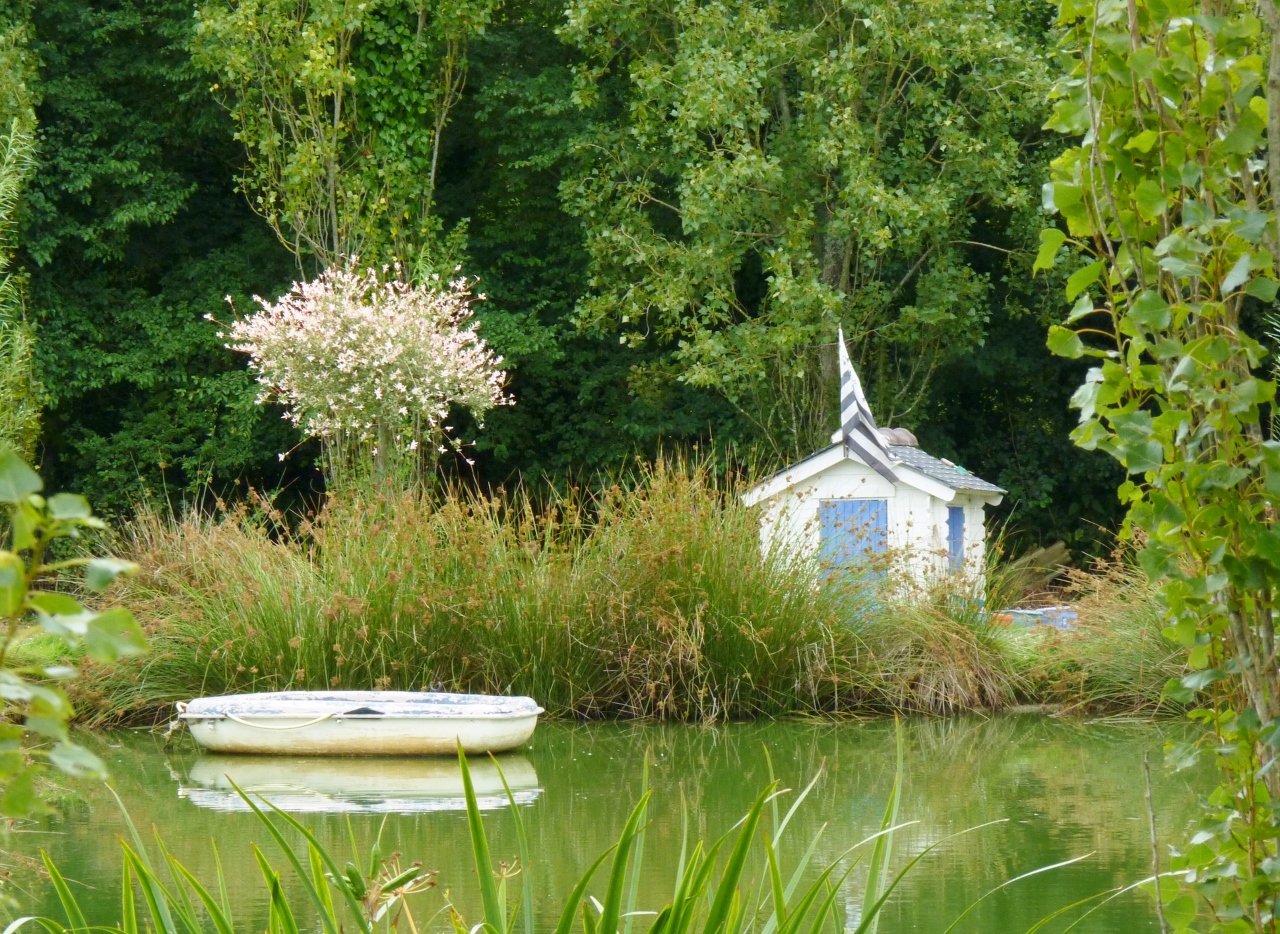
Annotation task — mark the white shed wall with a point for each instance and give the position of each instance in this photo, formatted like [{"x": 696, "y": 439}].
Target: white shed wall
[{"x": 917, "y": 521}]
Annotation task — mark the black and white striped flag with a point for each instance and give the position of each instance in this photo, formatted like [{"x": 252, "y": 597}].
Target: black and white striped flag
[{"x": 856, "y": 424}]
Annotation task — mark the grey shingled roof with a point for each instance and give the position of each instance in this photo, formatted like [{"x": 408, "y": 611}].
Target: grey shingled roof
[{"x": 955, "y": 477}]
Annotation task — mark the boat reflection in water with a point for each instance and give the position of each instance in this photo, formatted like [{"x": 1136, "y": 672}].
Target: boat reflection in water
[{"x": 320, "y": 784}]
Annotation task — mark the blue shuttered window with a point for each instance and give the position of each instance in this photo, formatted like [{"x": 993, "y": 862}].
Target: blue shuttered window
[
  {"x": 851, "y": 528},
  {"x": 955, "y": 537}
]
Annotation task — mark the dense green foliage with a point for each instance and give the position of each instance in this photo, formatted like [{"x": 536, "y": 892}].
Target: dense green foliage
[
  {"x": 135, "y": 229},
  {"x": 19, "y": 390},
  {"x": 133, "y": 233},
  {"x": 755, "y": 174},
  {"x": 1169, "y": 198}
]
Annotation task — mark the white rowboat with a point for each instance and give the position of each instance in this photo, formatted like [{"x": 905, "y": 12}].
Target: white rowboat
[{"x": 360, "y": 723}]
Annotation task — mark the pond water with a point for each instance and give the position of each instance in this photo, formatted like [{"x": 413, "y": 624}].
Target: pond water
[{"x": 1062, "y": 788}]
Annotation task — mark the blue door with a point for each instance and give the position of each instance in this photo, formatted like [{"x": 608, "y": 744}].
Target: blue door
[
  {"x": 955, "y": 537},
  {"x": 852, "y": 528}
]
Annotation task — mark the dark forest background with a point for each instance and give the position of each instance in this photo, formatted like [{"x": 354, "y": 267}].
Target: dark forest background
[{"x": 134, "y": 231}]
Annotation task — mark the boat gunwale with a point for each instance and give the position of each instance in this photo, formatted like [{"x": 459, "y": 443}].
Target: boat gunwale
[
  {"x": 405, "y": 707},
  {"x": 365, "y": 716}
]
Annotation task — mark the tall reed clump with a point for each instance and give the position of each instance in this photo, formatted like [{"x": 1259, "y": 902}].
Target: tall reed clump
[
  {"x": 649, "y": 601},
  {"x": 934, "y": 646},
  {"x": 1116, "y": 656}
]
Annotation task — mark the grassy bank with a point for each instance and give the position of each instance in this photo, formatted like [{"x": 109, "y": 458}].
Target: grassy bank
[{"x": 652, "y": 601}]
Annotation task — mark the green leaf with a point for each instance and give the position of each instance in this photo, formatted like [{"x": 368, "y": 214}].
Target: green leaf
[
  {"x": 565, "y": 925},
  {"x": 17, "y": 480},
  {"x": 728, "y": 887},
  {"x": 1243, "y": 140},
  {"x": 1267, "y": 545},
  {"x": 1258, "y": 104},
  {"x": 1064, "y": 342},
  {"x": 1195, "y": 214},
  {"x": 1140, "y": 458},
  {"x": 1150, "y": 199},
  {"x": 326, "y": 919},
  {"x": 1082, "y": 308},
  {"x": 76, "y": 760},
  {"x": 1199, "y": 680},
  {"x": 112, "y": 634},
  {"x": 1250, "y": 225},
  {"x": 13, "y": 584},
  {"x": 281, "y": 916},
  {"x": 51, "y": 727},
  {"x": 1238, "y": 275},
  {"x": 25, "y": 521},
  {"x": 522, "y": 840},
  {"x": 1133, "y": 427},
  {"x": 69, "y": 506},
  {"x": 1082, "y": 278},
  {"x": 20, "y": 798},
  {"x": 1151, "y": 311},
  {"x": 1262, "y": 288},
  {"x": 494, "y": 916},
  {"x": 1051, "y": 240},
  {"x": 1143, "y": 63},
  {"x": 75, "y": 917},
  {"x": 1143, "y": 141},
  {"x": 54, "y": 604},
  {"x": 1174, "y": 691},
  {"x": 100, "y": 572},
  {"x": 1180, "y": 912},
  {"x": 128, "y": 908}
]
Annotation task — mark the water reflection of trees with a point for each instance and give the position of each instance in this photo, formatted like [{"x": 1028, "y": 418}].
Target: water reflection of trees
[{"x": 1065, "y": 787}]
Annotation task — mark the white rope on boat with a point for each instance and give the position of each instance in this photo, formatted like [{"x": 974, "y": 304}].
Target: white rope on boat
[{"x": 295, "y": 726}]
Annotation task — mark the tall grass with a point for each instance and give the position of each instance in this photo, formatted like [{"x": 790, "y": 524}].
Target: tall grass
[
  {"x": 650, "y": 600},
  {"x": 1115, "y": 656},
  {"x": 935, "y": 647}
]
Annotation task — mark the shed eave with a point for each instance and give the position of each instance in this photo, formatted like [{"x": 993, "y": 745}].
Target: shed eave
[
  {"x": 924, "y": 483},
  {"x": 828, "y": 457},
  {"x": 796, "y": 474}
]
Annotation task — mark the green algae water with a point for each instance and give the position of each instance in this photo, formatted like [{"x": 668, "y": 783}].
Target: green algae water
[{"x": 1060, "y": 789}]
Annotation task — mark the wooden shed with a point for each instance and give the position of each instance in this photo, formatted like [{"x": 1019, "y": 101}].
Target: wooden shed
[{"x": 835, "y": 506}]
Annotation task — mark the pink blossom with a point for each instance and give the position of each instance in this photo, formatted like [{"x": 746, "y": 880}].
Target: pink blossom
[{"x": 349, "y": 353}]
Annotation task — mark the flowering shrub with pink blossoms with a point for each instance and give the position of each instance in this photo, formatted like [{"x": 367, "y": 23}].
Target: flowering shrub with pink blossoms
[{"x": 369, "y": 363}]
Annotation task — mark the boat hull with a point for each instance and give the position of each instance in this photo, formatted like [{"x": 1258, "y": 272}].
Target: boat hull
[
  {"x": 360, "y": 723},
  {"x": 360, "y": 737}
]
